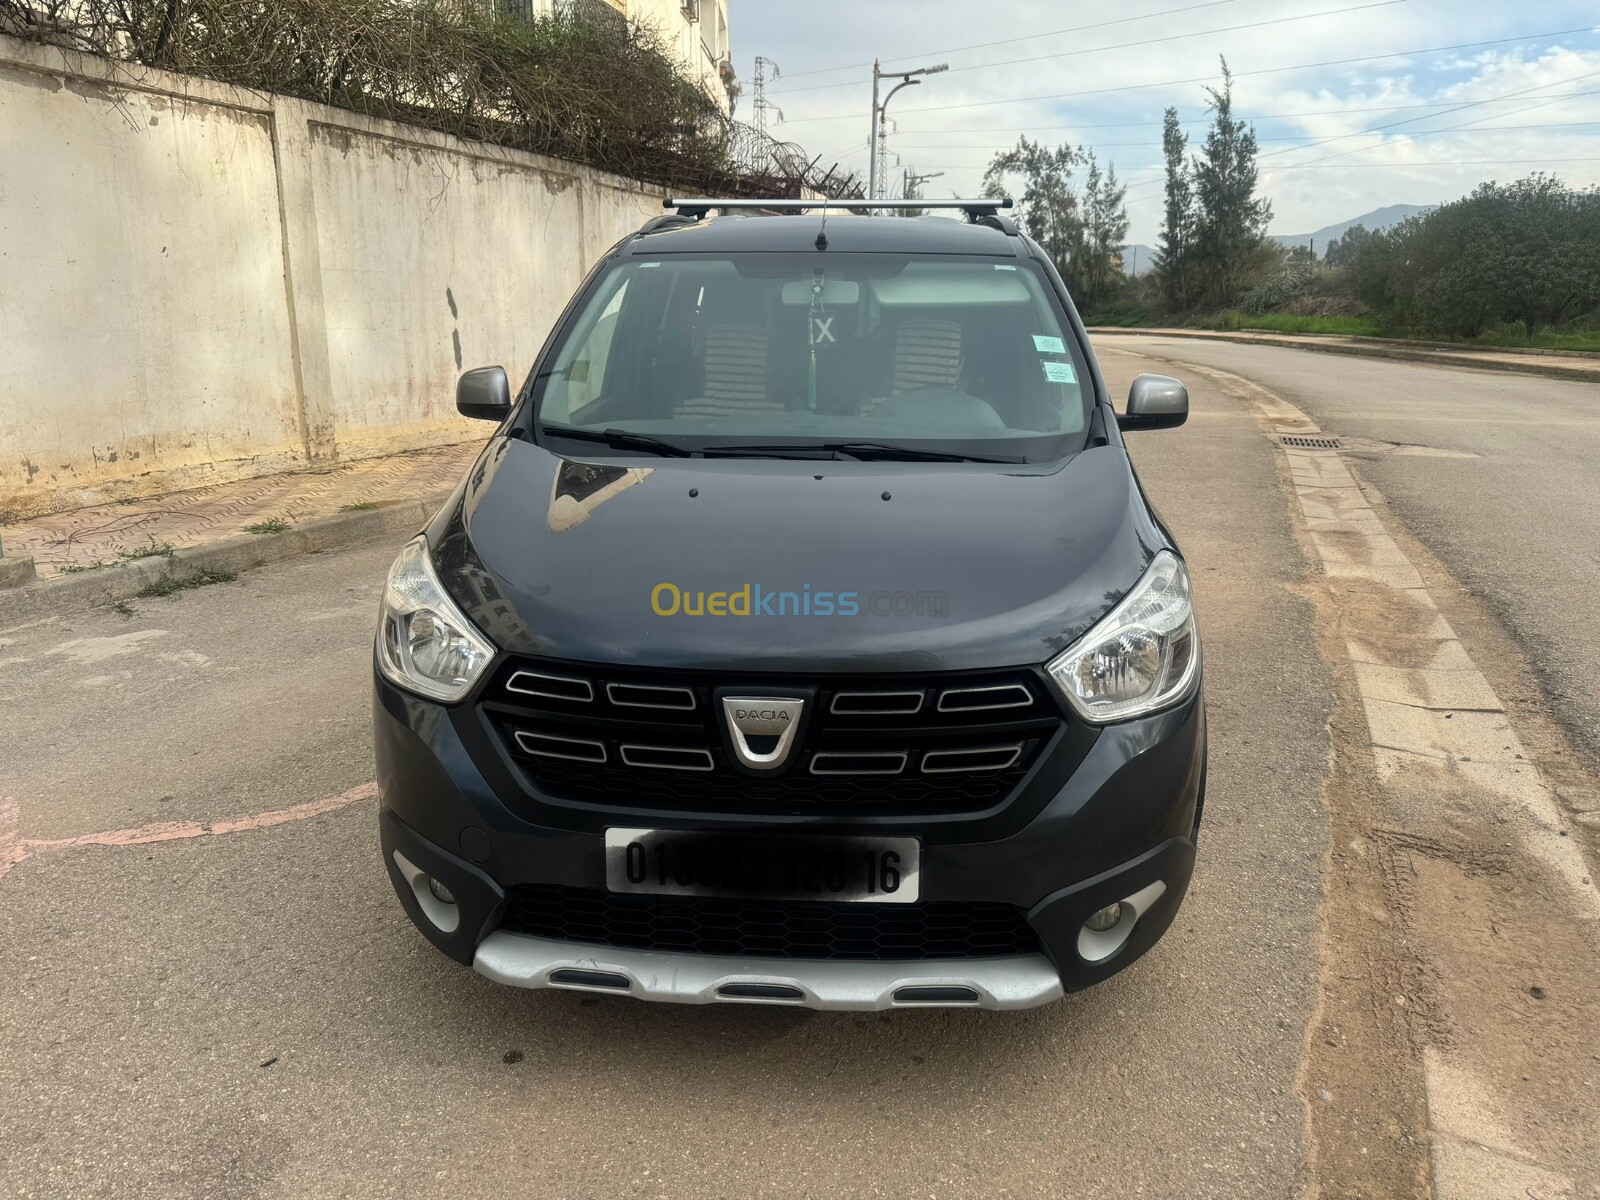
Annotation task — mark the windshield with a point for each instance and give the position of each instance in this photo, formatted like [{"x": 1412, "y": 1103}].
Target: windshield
[{"x": 967, "y": 357}]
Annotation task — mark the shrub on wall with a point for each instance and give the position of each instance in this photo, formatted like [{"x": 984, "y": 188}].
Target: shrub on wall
[{"x": 577, "y": 83}]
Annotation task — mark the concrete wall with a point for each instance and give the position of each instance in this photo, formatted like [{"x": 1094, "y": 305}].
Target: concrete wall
[{"x": 200, "y": 283}]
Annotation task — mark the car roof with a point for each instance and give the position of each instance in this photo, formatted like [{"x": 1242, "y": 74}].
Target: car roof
[{"x": 846, "y": 234}]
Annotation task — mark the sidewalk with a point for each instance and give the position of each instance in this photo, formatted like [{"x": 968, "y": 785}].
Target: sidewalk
[
  {"x": 1558, "y": 364},
  {"x": 107, "y": 534}
]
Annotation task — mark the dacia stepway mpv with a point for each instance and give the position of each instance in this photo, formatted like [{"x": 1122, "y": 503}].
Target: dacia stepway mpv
[{"x": 802, "y": 636}]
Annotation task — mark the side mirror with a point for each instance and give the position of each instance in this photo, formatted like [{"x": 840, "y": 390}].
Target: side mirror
[
  {"x": 484, "y": 394},
  {"x": 1155, "y": 402}
]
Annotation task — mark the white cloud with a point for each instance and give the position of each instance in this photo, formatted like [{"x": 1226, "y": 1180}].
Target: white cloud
[{"x": 953, "y": 123}]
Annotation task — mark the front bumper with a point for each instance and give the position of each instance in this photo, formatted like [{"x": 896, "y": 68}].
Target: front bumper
[
  {"x": 1121, "y": 828},
  {"x": 1024, "y": 981}
]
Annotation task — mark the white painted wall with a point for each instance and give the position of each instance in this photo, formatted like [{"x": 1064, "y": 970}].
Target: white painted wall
[
  {"x": 695, "y": 31},
  {"x": 443, "y": 275},
  {"x": 143, "y": 323},
  {"x": 200, "y": 283}
]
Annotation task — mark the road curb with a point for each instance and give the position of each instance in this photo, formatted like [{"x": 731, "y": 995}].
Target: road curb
[
  {"x": 123, "y": 581},
  {"x": 16, "y": 572},
  {"x": 1448, "y": 358}
]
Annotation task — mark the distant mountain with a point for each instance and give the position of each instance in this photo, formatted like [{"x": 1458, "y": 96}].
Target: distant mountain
[
  {"x": 1139, "y": 259},
  {"x": 1378, "y": 218}
]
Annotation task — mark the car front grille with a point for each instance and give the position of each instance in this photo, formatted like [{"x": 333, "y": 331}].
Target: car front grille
[
  {"x": 653, "y": 739},
  {"x": 755, "y": 928}
]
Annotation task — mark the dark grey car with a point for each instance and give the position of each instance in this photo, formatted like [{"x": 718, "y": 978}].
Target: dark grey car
[{"x": 802, "y": 636}]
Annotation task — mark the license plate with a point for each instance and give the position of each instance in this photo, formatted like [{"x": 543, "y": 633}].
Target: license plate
[{"x": 671, "y": 862}]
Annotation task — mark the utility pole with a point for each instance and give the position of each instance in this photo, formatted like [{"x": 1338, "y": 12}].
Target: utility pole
[
  {"x": 880, "y": 173},
  {"x": 913, "y": 181},
  {"x": 877, "y": 170},
  {"x": 760, "y": 105},
  {"x": 909, "y": 186}
]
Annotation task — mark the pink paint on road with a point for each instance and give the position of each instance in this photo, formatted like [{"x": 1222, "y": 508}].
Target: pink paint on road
[{"x": 15, "y": 848}]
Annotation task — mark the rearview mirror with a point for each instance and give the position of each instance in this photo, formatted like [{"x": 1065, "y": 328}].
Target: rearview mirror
[
  {"x": 1155, "y": 402},
  {"x": 484, "y": 394},
  {"x": 798, "y": 293}
]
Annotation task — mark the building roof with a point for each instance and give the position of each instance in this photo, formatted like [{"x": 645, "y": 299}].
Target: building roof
[{"x": 754, "y": 233}]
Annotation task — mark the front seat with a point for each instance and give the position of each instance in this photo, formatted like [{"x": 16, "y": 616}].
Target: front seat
[
  {"x": 927, "y": 353},
  {"x": 735, "y": 374}
]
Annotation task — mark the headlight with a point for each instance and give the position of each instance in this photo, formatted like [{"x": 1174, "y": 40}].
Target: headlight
[
  {"x": 425, "y": 645},
  {"x": 1140, "y": 656}
]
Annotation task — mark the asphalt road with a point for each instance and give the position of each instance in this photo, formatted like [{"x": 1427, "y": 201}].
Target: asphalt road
[
  {"x": 1497, "y": 474},
  {"x": 246, "y": 1011}
]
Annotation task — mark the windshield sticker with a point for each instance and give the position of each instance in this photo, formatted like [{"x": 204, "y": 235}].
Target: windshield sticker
[
  {"x": 1003, "y": 267},
  {"x": 648, "y": 265},
  {"x": 1060, "y": 373},
  {"x": 1048, "y": 345}
]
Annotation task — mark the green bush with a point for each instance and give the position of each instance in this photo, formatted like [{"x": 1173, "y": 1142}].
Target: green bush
[
  {"x": 1291, "y": 323},
  {"x": 1288, "y": 283},
  {"x": 579, "y": 83},
  {"x": 1524, "y": 253},
  {"x": 1121, "y": 316}
]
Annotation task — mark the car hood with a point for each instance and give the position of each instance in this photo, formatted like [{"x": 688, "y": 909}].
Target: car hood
[{"x": 950, "y": 565}]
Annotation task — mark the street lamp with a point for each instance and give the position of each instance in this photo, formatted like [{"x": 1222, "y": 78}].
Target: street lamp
[{"x": 907, "y": 79}]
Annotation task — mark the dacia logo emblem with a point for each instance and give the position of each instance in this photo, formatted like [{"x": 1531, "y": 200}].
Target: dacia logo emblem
[{"x": 762, "y": 729}]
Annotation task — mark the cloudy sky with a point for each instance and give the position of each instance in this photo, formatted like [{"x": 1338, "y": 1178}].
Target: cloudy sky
[{"x": 1357, "y": 103}]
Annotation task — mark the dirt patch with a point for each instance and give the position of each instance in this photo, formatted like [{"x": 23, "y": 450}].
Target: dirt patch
[
  {"x": 1457, "y": 1040},
  {"x": 1561, "y": 757},
  {"x": 1513, "y": 982},
  {"x": 1440, "y": 928},
  {"x": 1362, "y": 1076},
  {"x": 1396, "y": 625},
  {"x": 1349, "y": 545}
]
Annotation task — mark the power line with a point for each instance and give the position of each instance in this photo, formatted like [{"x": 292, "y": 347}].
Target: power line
[
  {"x": 1326, "y": 112},
  {"x": 1319, "y": 165},
  {"x": 1467, "y": 162},
  {"x": 1166, "y": 12},
  {"x": 1143, "y": 190},
  {"x": 1171, "y": 37},
  {"x": 1294, "y": 116},
  {"x": 1475, "y": 124},
  {"x": 1427, "y": 132},
  {"x": 1134, "y": 87},
  {"x": 1538, "y": 87},
  {"x": 1286, "y": 138}
]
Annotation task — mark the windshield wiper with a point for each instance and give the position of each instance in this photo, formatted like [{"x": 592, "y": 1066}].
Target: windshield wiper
[
  {"x": 868, "y": 451},
  {"x": 801, "y": 450},
  {"x": 620, "y": 439},
  {"x": 859, "y": 450}
]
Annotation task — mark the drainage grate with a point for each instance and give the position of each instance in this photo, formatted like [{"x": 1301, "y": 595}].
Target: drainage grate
[{"x": 1310, "y": 443}]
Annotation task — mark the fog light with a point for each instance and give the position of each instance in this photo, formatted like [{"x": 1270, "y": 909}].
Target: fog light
[
  {"x": 445, "y": 896},
  {"x": 1103, "y": 920},
  {"x": 1107, "y": 931}
]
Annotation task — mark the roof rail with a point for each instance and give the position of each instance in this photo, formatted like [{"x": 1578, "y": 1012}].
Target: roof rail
[
  {"x": 995, "y": 221},
  {"x": 669, "y": 221},
  {"x": 986, "y": 206}
]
